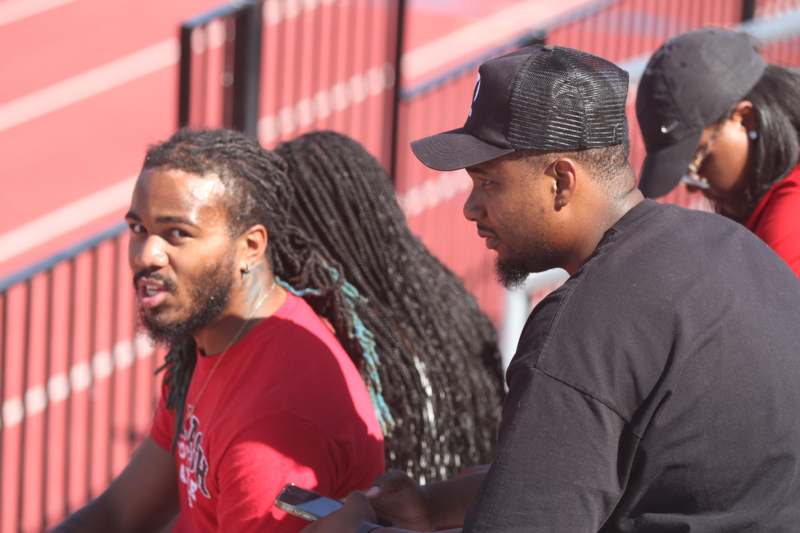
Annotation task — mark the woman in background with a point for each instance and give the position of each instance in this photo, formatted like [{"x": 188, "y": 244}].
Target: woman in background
[
  {"x": 716, "y": 116},
  {"x": 429, "y": 354}
]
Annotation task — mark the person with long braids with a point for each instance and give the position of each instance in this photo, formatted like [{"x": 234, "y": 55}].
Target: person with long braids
[
  {"x": 717, "y": 117},
  {"x": 439, "y": 362},
  {"x": 258, "y": 392}
]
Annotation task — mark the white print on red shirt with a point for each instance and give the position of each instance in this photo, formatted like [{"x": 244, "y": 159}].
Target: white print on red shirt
[{"x": 193, "y": 465}]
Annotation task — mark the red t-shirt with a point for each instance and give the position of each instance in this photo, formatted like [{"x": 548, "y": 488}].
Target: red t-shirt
[
  {"x": 776, "y": 219},
  {"x": 285, "y": 405}
]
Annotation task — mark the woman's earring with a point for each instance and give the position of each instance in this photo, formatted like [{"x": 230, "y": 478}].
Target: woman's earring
[
  {"x": 245, "y": 269},
  {"x": 752, "y": 135}
]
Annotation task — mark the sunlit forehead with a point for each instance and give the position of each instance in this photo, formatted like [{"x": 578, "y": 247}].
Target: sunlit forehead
[{"x": 174, "y": 196}]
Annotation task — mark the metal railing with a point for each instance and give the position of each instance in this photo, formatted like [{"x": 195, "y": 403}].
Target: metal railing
[
  {"x": 220, "y": 68},
  {"x": 277, "y": 68},
  {"x": 74, "y": 382}
]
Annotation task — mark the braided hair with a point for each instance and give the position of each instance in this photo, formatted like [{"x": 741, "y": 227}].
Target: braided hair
[
  {"x": 439, "y": 362},
  {"x": 255, "y": 181}
]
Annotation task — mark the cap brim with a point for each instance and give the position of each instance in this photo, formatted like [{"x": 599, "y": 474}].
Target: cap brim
[
  {"x": 663, "y": 169},
  {"x": 455, "y": 149}
]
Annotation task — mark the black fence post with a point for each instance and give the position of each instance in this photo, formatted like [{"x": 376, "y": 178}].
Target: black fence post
[
  {"x": 536, "y": 37},
  {"x": 247, "y": 68},
  {"x": 748, "y": 10},
  {"x": 185, "y": 76},
  {"x": 396, "y": 90}
]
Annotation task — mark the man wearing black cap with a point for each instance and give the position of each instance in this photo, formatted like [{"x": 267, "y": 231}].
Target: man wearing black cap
[{"x": 658, "y": 388}]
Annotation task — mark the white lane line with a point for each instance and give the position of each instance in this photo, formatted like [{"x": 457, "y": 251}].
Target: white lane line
[
  {"x": 65, "y": 219},
  {"x": 433, "y": 192},
  {"x": 80, "y": 377},
  {"x": 491, "y": 30},
  {"x": 327, "y": 101},
  {"x": 89, "y": 84},
  {"x": 276, "y": 11},
  {"x": 16, "y": 10},
  {"x": 125, "y": 69}
]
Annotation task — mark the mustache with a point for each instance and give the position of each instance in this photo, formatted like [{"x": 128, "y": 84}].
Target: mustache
[
  {"x": 150, "y": 273},
  {"x": 484, "y": 229}
]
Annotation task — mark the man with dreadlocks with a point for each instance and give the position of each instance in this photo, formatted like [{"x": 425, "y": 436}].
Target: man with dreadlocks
[
  {"x": 439, "y": 363},
  {"x": 258, "y": 392}
]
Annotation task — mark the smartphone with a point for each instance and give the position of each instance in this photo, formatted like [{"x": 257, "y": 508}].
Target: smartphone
[{"x": 305, "y": 503}]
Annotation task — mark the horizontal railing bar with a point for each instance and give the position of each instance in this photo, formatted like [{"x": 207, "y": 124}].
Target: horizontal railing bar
[
  {"x": 414, "y": 92},
  {"x": 222, "y": 11},
  {"x": 69, "y": 253},
  {"x": 766, "y": 31},
  {"x": 536, "y": 32},
  {"x": 773, "y": 28}
]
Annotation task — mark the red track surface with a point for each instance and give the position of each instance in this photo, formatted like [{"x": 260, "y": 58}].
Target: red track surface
[{"x": 68, "y": 153}]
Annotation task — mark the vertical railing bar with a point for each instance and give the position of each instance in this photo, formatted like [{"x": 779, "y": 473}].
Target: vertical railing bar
[
  {"x": 394, "y": 141},
  {"x": 299, "y": 22},
  {"x": 133, "y": 380},
  {"x": 229, "y": 54},
  {"x": 23, "y": 430},
  {"x": 333, "y": 59},
  {"x": 73, "y": 265},
  {"x": 623, "y": 46},
  {"x": 280, "y": 64},
  {"x": 316, "y": 61},
  {"x": 48, "y": 367},
  {"x": 348, "y": 72},
  {"x": 3, "y": 353},
  {"x": 748, "y": 10},
  {"x": 684, "y": 21},
  {"x": 247, "y": 68},
  {"x": 112, "y": 377},
  {"x": 90, "y": 391},
  {"x": 184, "y": 76},
  {"x": 366, "y": 56},
  {"x": 202, "y": 98}
]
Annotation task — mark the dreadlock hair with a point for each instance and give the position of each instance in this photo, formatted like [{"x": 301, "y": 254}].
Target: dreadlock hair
[
  {"x": 256, "y": 193},
  {"x": 439, "y": 362},
  {"x": 776, "y": 101}
]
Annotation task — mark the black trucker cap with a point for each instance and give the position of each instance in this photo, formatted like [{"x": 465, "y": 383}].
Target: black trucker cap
[
  {"x": 691, "y": 82},
  {"x": 539, "y": 97}
]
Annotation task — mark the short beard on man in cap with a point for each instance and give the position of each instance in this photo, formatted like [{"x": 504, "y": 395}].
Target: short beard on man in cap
[
  {"x": 513, "y": 271},
  {"x": 510, "y": 274}
]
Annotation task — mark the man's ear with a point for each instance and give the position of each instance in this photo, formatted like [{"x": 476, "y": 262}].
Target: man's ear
[
  {"x": 252, "y": 246},
  {"x": 564, "y": 174}
]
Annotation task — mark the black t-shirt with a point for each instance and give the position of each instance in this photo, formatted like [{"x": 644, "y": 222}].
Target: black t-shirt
[{"x": 657, "y": 390}]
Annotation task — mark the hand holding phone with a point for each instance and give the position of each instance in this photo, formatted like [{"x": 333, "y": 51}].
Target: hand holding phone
[{"x": 305, "y": 504}]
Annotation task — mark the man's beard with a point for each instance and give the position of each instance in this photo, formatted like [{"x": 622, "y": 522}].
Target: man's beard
[
  {"x": 210, "y": 295},
  {"x": 511, "y": 273}
]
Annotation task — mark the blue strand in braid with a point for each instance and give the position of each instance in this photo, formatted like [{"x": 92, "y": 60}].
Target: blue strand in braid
[{"x": 365, "y": 339}]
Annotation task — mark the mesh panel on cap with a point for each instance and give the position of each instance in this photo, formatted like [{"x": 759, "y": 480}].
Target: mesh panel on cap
[{"x": 567, "y": 100}]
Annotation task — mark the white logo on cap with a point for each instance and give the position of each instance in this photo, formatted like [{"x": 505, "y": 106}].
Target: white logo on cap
[
  {"x": 666, "y": 128},
  {"x": 475, "y": 96}
]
